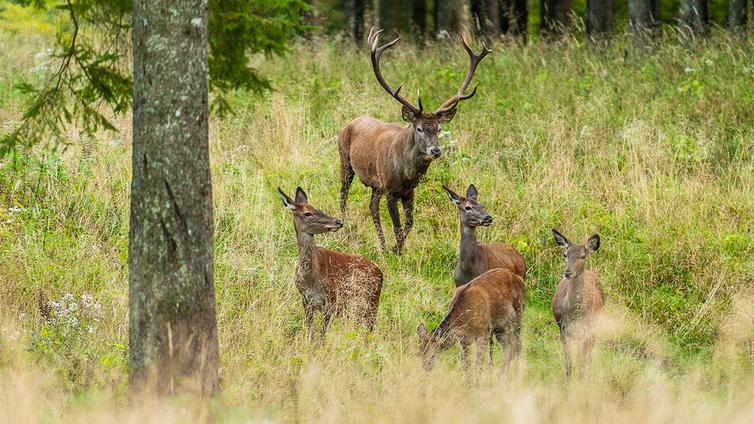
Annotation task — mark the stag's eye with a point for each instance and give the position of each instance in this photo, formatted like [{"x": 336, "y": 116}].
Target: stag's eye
[
  {"x": 307, "y": 214},
  {"x": 468, "y": 208},
  {"x": 419, "y": 129}
]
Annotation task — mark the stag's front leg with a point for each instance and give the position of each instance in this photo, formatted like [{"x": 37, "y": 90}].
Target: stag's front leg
[
  {"x": 392, "y": 207},
  {"x": 408, "y": 209},
  {"x": 374, "y": 208}
]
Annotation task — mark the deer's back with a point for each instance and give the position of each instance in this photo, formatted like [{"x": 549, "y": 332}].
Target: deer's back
[
  {"x": 501, "y": 255},
  {"x": 344, "y": 275},
  {"x": 591, "y": 301},
  {"x": 494, "y": 300}
]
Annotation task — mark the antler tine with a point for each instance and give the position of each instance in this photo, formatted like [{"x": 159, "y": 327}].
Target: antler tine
[
  {"x": 376, "y": 53},
  {"x": 474, "y": 60}
]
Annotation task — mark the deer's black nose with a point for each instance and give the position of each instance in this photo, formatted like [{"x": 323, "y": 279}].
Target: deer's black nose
[
  {"x": 488, "y": 219},
  {"x": 435, "y": 152},
  {"x": 339, "y": 223},
  {"x": 568, "y": 273}
]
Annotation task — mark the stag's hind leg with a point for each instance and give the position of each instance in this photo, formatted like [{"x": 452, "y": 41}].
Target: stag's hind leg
[
  {"x": 346, "y": 178},
  {"x": 374, "y": 208}
]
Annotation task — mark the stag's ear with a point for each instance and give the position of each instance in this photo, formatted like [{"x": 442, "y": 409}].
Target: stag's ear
[
  {"x": 287, "y": 202},
  {"x": 471, "y": 192},
  {"x": 421, "y": 331},
  {"x": 446, "y": 116},
  {"x": 593, "y": 244},
  {"x": 301, "y": 196},
  {"x": 560, "y": 239},
  {"x": 409, "y": 115},
  {"x": 452, "y": 196}
]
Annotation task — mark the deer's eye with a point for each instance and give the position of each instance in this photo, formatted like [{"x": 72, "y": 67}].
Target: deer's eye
[
  {"x": 468, "y": 208},
  {"x": 307, "y": 214},
  {"x": 583, "y": 256},
  {"x": 419, "y": 129}
]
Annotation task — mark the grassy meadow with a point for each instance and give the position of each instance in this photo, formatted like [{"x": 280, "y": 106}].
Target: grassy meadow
[{"x": 652, "y": 148}]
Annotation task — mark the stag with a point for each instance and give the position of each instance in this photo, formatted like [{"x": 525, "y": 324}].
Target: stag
[
  {"x": 330, "y": 282},
  {"x": 577, "y": 301},
  {"x": 391, "y": 159}
]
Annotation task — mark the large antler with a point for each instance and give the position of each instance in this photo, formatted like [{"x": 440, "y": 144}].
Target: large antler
[
  {"x": 474, "y": 60},
  {"x": 376, "y": 53}
]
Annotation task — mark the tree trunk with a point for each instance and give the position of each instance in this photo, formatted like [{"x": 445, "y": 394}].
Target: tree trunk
[
  {"x": 390, "y": 17},
  {"x": 359, "y": 9},
  {"x": 449, "y": 16},
  {"x": 485, "y": 16},
  {"x": 555, "y": 17},
  {"x": 600, "y": 17},
  {"x": 737, "y": 15},
  {"x": 644, "y": 16},
  {"x": 173, "y": 330},
  {"x": 514, "y": 18},
  {"x": 695, "y": 14},
  {"x": 419, "y": 18}
]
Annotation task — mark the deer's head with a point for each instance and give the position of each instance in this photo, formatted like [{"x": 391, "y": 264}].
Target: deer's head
[
  {"x": 426, "y": 125},
  {"x": 471, "y": 211},
  {"x": 430, "y": 344},
  {"x": 308, "y": 219},
  {"x": 575, "y": 254}
]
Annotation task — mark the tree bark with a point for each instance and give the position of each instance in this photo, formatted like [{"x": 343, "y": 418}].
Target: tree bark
[
  {"x": 737, "y": 15},
  {"x": 390, "y": 17},
  {"x": 695, "y": 14},
  {"x": 419, "y": 18},
  {"x": 359, "y": 9},
  {"x": 486, "y": 18},
  {"x": 450, "y": 16},
  {"x": 555, "y": 17},
  {"x": 514, "y": 18},
  {"x": 644, "y": 16},
  {"x": 173, "y": 329},
  {"x": 600, "y": 17}
]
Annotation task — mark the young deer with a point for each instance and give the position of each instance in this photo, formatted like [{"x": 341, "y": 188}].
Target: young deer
[
  {"x": 476, "y": 258},
  {"x": 330, "y": 282},
  {"x": 491, "y": 305},
  {"x": 577, "y": 301},
  {"x": 391, "y": 159}
]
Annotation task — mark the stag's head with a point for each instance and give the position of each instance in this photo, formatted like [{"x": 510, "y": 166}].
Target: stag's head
[
  {"x": 426, "y": 125},
  {"x": 575, "y": 254},
  {"x": 471, "y": 211},
  {"x": 306, "y": 218}
]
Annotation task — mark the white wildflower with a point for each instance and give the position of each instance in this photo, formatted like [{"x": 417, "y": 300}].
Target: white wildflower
[
  {"x": 689, "y": 70},
  {"x": 707, "y": 62}
]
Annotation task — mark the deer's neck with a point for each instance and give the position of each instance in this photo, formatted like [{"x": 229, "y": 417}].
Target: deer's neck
[
  {"x": 412, "y": 161},
  {"x": 468, "y": 257},
  {"x": 306, "y": 250},
  {"x": 575, "y": 290}
]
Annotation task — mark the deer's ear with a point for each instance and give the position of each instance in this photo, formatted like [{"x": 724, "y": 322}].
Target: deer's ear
[
  {"x": 301, "y": 196},
  {"x": 452, "y": 195},
  {"x": 287, "y": 202},
  {"x": 408, "y": 115},
  {"x": 471, "y": 192},
  {"x": 560, "y": 239},
  {"x": 421, "y": 331},
  {"x": 593, "y": 244},
  {"x": 446, "y": 116}
]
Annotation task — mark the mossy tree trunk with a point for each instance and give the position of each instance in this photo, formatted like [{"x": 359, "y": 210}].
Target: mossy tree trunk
[
  {"x": 737, "y": 15},
  {"x": 173, "y": 330},
  {"x": 450, "y": 16},
  {"x": 514, "y": 18},
  {"x": 555, "y": 17},
  {"x": 600, "y": 18},
  {"x": 695, "y": 14},
  {"x": 419, "y": 19},
  {"x": 485, "y": 15},
  {"x": 644, "y": 16}
]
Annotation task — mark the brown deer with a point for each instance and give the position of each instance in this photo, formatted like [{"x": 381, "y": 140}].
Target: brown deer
[
  {"x": 391, "y": 159},
  {"x": 577, "y": 301},
  {"x": 491, "y": 305},
  {"x": 475, "y": 258},
  {"x": 330, "y": 282}
]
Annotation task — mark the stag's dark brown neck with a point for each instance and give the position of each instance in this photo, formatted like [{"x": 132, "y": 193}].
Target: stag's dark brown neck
[
  {"x": 468, "y": 256},
  {"x": 306, "y": 248},
  {"x": 412, "y": 161}
]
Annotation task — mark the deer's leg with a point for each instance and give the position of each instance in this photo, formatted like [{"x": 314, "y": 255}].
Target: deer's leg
[
  {"x": 564, "y": 340},
  {"x": 346, "y": 178},
  {"x": 587, "y": 346},
  {"x": 374, "y": 208},
  {"x": 465, "y": 361},
  {"x": 326, "y": 316},
  {"x": 309, "y": 320},
  {"x": 392, "y": 207},
  {"x": 482, "y": 347},
  {"x": 408, "y": 210}
]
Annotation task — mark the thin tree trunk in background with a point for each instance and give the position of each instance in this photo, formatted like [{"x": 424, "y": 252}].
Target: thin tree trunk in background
[
  {"x": 737, "y": 15},
  {"x": 450, "y": 16},
  {"x": 419, "y": 18},
  {"x": 359, "y": 9},
  {"x": 695, "y": 14},
  {"x": 173, "y": 330},
  {"x": 555, "y": 17},
  {"x": 644, "y": 16},
  {"x": 600, "y": 17},
  {"x": 514, "y": 18},
  {"x": 485, "y": 15},
  {"x": 390, "y": 17}
]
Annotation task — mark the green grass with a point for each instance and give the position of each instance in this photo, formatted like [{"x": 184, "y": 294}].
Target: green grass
[{"x": 616, "y": 140}]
